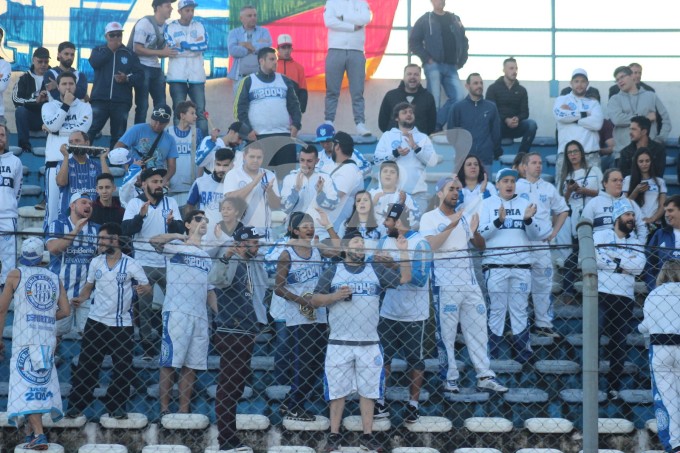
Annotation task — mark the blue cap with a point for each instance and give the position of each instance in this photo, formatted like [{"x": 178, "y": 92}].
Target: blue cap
[
  {"x": 324, "y": 133},
  {"x": 31, "y": 251},
  {"x": 505, "y": 172},
  {"x": 621, "y": 207},
  {"x": 443, "y": 181}
]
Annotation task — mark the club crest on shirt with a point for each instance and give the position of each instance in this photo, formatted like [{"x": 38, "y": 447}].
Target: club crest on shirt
[
  {"x": 30, "y": 375},
  {"x": 166, "y": 213},
  {"x": 41, "y": 292},
  {"x": 121, "y": 277}
]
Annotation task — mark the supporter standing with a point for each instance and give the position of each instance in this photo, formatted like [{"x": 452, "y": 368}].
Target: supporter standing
[
  {"x": 72, "y": 243},
  {"x": 512, "y": 101},
  {"x": 647, "y": 189},
  {"x": 187, "y": 137},
  {"x": 186, "y": 75},
  {"x": 39, "y": 300},
  {"x": 618, "y": 263},
  {"x": 346, "y": 21},
  {"x": 551, "y": 210},
  {"x": 207, "y": 192},
  {"x": 438, "y": 38},
  {"x": 62, "y": 118},
  {"x": 78, "y": 172},
  {"x": 11, "y": 177},
  {"x": 114, "y": 277},
  {"x": 28, "y": 98},
  {"x": 479, "y": 117},
  {"x": 661, "y": 325},
  {"x": 149, "y": 44},
  {"x": 240, "y": 287},
  {"x": 579, "y": 118},
  {"x": 5, "y": 75},
  {"x": 411, "y": 91},
  {"x": 363, "y": 219},
  {"x": 457, "y": 296},
  {"x": 244, "y": 44},
  {"x": 107, "y": 208},
  {"x": 665, "y": 243},
  {"x": 508, "y": 223},
  {"x": 188, "y": 295},
  {"x": 292, "y": 69},
  {"x": 639, "y": 139},
  {"x": 388, "y": 193},
  {"x": 406, "y": 308},
  {"x": 475, "y": 184},
  {"x": 412, "y": 150},
  {"x": 66, "y": 54},
  {"x": 325, "y": 135},
  {"x": 116, "y": 71},
  {"x": 346, "y": 177},
  {"x": 150, "y": 214},
  {"x": 351, "y": 292}
]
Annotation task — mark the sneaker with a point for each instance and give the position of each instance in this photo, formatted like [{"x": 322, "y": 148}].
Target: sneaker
[
  {"x": 333, "y": 442},
  {"x": 300, "y": 414},
  {"x": 363, "y": 130},
  {"x": 235, "y": 448},
  {"x": 614, "y": 395},
  {"x": 492, "y": 384},
  {"x": 119, "y": 414},
  {"x": 451, "y": 386},
  {"x": 330, "y": 123},
  {"x": 380, "y": 411},
  {"x": 39, "y": 442},
  {"x": 29, "y": 438},
  {"x": 368, "y": 442},
  {"x": 412, "y": 414},
  {"x": 547, "y": 332},
  {"x": 73, "y": 412},
  {"x": 40, "y": 206}
]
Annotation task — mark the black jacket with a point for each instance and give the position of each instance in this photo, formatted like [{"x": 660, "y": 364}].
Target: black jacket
[
  {"x": 426, "y": 39},
  {"x": 656, "y": 149},
  {"x": 106, "y": 64},
  {"x": 423, "y": 101},
  {"x": 25, "y": 92},
  {"x": 510, "y": 102}
]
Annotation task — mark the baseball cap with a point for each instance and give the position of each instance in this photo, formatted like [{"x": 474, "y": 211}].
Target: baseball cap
[
  {"x": 119, "y": 156},
  {"x": 621, "y": 207},
  {"x": 77, "y": 196},
  {"x": 505, "y": 172},
  {"x": 152, "y": 171},
  {"x": 579, "y": 72},
  {"x": 247, "y": 232},
  {"x": 284, "y": 39},
  {"x": 396, "y": 210},
  {"x": 343, "y": 139},
  {"x": 443, "y": 181},
  {"x": 31, "y": 251},
  {"x": 185, "y": 3},
  {"x": 41, "y": 52},
  {"x": 113, "y": 26},
  {"x": 156, "y": 3},
  {"x": 324, "y": 133},
  {"x": 162, "y": 113}
]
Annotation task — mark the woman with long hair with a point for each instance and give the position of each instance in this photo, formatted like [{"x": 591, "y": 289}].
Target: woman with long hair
[
  {"x": 362, "y": 219},
  {"x": 648, "y": 189},
  {"x": 581, "y": 182},
  {"x": 475, "y": 181}
]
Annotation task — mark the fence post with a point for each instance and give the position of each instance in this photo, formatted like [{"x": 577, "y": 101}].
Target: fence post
[{"x": 591, "y": 340}]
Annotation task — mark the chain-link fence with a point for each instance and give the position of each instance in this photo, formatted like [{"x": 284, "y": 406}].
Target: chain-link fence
[{"x": 439, "y": 351}]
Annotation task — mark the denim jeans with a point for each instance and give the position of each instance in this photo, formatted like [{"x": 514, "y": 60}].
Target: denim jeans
[
  {"x": 443, "y": 75},
  {"x": 196, "y": 92},
  {"x": 154, "y": 84},
  {"x": 27, "y": 120},
  {"x": 116, "y": 112},
  {"x": 526, "y": 129}
]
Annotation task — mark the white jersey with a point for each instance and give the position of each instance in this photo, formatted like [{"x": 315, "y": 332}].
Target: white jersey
[
  {"x": 11, "y": 177},
  {"x": 190, "y": 41},
  {"x": 61, "y": 120},
  {"x": 307, "y": 199},
  {"x": 112, "y": 301},
  {"x": 5, "y": 75},
  {"x": 662, "y": 310},
  {"x": 588, "y": 179},
  {"x": 471, "y": 199},
  {"x": 599, "y": 211},
  {"x": 348, "y": 181},
  {"x": 35, "y": 308},
  {"x": 71, "y": 265},
  {"x": 144, "y": 33},
  {"x": 410, "y": 301},
  {"x": 302, "y": 278},
  {"x": 571, "y": 126},
  {"x": 187, "y": 279},
  {"x": 411, "y": 166},
  {"x": 206, "y": 194},
  {"x": 268, "y": 108},
  {"x": 657, "y": 186},
  {"x": 546, "y": 198},
  {"x": 258, "y": 214},
  {"x": 356, "y": 319},
  {"x": 181, "y": 181},
  {"x": 452, "y": 263},
  {"x": 630, "y": 259},
  {"x": 155, "y": 223},
  {"x": 380, "y": 208},
  {"x": 326, "y": 163},
  {"x": 513, "y": 233}
]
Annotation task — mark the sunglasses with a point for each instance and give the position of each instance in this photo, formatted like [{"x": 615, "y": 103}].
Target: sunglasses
[
  {"x": 200, "y": 218},
  {"x": 161, "y": 113},
  {"x": 115, "y": 34},
  {"x": 286, "y": 46}
]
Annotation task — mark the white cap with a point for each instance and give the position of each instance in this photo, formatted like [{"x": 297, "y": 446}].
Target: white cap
[
  {"x": 119, "y": 156},
  {"x": 77, "y": 196},
  {"x": 579, "y": 72},
  {"x": 185, "y": 3},
  {"x": 113, "y": 26},
  {"x": 31, "y": 251},
  {"x": 285, "y": 39}
]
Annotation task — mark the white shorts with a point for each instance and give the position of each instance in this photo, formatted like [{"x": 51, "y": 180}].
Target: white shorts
[
  {"x": 185, "y": 341},
  {"x": 354, "y": 368}
]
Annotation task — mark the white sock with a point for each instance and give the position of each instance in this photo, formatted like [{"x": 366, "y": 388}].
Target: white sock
[
  {"x": 381, "y": 401},
  {"x": 413, "y": 403}
]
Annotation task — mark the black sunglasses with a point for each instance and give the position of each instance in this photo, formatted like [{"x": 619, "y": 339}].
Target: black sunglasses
[
  {"x": 200, "y": 218},
  {"x": 116, "y": 34}
]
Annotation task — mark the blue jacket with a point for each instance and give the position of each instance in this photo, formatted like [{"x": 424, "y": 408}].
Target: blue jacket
[
  {"x": 106, "y": 64},
  {"x": 661, "y": 248},
  {"x": 482, "y": 120},
  {"x": 426, "y": 39}
]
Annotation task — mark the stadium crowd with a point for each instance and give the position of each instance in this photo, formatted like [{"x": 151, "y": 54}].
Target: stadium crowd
[{"x": 362, "y": 266}]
